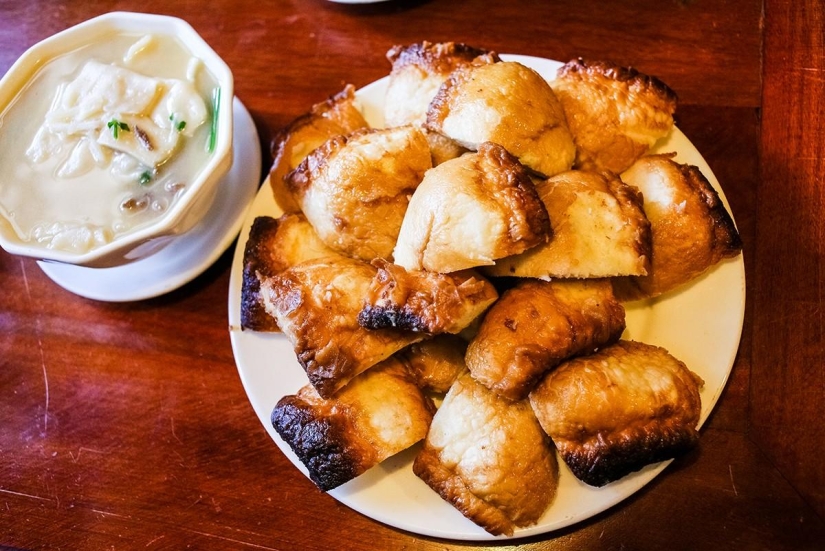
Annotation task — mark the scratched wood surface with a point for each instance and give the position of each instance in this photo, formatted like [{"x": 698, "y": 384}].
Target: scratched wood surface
[
  {"x": 788, "y": 389},
  {"x": 125, "y": 426}
]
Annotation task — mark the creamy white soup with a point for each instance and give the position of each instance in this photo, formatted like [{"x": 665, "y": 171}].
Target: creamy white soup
[{"x": 104, "y": 139}]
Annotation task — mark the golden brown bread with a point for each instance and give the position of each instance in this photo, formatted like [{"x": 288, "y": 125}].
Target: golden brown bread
[
  {"x": 690, "y": 227},
  {"x": 443, "y": 148},
  {"x": 509, "y": 104},
  {"x": 273, "y": 245},
  {"x": 614, "y": 113},
  {"x": 536, "y": 325},
  {"x": 489, "y": 458},
  {"x": 354, "y": 190},
  {"x": 626, "y": 406},
  {"x": 316, "y": 305},
  {"x": 424, "y": 301},
  {"x": 435, "y": 363},
  {"x": 599, "y": 230},
  {"x": 336, "y": 116},
  {"x": 380, "y": 413},
  {"x": 418, "y": 70},
  {"x": 470, "y": 211}
]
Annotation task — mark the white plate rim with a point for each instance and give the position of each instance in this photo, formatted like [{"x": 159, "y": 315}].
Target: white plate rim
[{"x": 716, "y": 323}]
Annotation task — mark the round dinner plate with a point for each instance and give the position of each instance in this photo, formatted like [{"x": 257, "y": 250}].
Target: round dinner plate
[
  {"x": 188, "y": 255},
  {"x": 700, "y": 324}
]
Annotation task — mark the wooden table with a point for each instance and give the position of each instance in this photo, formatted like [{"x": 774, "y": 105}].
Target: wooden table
[{"x": 125, "y": 425}]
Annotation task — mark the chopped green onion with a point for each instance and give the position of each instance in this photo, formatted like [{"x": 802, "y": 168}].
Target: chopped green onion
[
  {"x": 213, "y": 131},
  {"x": 179, "y": 125},
  {"x": 117, "y": 126},
  {"x": 145, "y": 178}
]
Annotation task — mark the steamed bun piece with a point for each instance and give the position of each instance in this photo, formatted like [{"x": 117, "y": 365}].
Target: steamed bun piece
[
  {"x": 509, "y": 104},
  {"x": 538, "y": 324},
  {"x": 626, "y": 406},
  {"x": 690, "y": 226},
  {"x": 337, "y": 116},
  {"x": 424, "y": 301},
  {"x": 274, "y": 244},
  {"x": 354, "y": 190},
  {"x": 316, "y": 305},
  {"x": 418, "y": 71},
  {"x": 378, "y": 414},
  {"x": 436, "y": 363},
  {"x": 471, "y": 211},
  {"x": 489, "y": 458},
  {"x": 599, "y": 230},
  {"x": 615, "y": 113}
]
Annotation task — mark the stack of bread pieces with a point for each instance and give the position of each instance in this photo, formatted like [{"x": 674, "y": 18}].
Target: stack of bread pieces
[{"x": 455, "y": 279}]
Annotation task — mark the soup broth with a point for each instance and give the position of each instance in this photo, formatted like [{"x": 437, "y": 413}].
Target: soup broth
[{"x": 103, "y": 140}]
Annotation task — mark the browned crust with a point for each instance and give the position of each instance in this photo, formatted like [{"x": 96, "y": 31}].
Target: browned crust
[
  {"x": 325, "y": 107},
  {"x": 423, "y": 301},
  {"x": 442, "y": 148},
  {"x": 635, "y": 80},
  {"x": 441, "y": 104},
  {"x": 726, "y": 239},
  {"x": 628, "y": 405},
  {"x": 622, "y": 248},
  {"x": 435, "y": 364},
  {"x": 681, "y": 253},
  {"x": 533, "y": 327},
  {"x": 516, "y": 192},
  {"x": 631, "y": 202},
  {"x": 257, "y": 263},
  {"x": 298, "y": 180},
  {"x": 452, "y": 489},
  {"x": 441, "y": 58},
  {"x": 336, "y": 115},
  {"x": 332, "y": 349},
  {"x": 602, "y": 460},
  {"x": 320, "y": 441}
]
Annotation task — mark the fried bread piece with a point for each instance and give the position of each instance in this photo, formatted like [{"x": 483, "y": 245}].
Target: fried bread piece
[
  {"x": 316, "y": 305},
  {"x": 337, "y": 116},
  {"x": 615, "y": 113},
  {"x": 509, "y": 104},
  {"x": 378, "y": 414},
  {"x": 690, "y": 227},
  {"x": 470, "y": 211},
  {"x": 536, "y": 325},
  {"x": 435, "y": 363},
  {"x": 599, "y": 230},
  {"x": 429, "y": 302},
  {"x": 626, "y": 406},
  {"x": 418, "y": 70},
  {"x": 489, "y": 458},
  {"x": 349, "y": 184},
  {"x": 274, "y": 244},
  {"x": 443, "y": 148}
]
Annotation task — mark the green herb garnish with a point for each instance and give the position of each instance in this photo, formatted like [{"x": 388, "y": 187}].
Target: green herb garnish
[
  {"x": 116, "y": 126},
  {"x": 145, "y": 178},
  {"x": 213, "y": 131},
  {"x": 179, "y": 125}
]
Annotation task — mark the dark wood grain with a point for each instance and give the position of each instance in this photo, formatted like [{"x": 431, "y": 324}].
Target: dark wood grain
[
  {"x": 788, "y": 391},
  {"x": 125, "y": 426}
]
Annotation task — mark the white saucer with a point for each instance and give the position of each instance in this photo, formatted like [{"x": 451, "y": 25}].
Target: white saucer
[{"x": 188, "y": 255}]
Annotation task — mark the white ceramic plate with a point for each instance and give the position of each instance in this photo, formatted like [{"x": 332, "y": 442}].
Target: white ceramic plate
[
  {"x": 188, "y": 255},
  {"x": 701, "y": 325}
]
